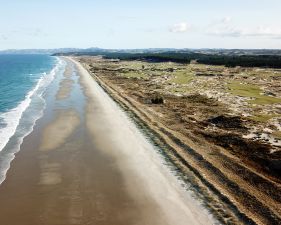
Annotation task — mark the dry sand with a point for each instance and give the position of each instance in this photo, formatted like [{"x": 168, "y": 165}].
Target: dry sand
[{"x": 93, "y": 167}]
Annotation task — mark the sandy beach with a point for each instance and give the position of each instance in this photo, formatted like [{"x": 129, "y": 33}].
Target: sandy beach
[{"x": 87, "y": 163}]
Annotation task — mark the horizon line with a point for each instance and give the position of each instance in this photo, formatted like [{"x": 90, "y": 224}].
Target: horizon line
[{"x": 184, "y": 48}]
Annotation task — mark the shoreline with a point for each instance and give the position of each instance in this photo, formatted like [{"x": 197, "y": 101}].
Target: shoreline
[
  {"x": 83, "y": 171},
  {"x": 26, "y": 114}
]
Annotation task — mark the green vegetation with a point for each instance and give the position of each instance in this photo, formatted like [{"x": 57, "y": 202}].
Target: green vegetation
[
  {"x": 262, "y": 117},
  {"x": 182, "y": 77},
  {"x": 277, "y": 134},
  {"x": 251, "y": 91},
  {"x": 136, "y": 65},
  {"x": 134, "y": 75},
  {"x": 273, "y": 61}
]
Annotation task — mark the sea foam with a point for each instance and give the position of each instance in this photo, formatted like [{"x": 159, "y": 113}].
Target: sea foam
[{"x": 11, "y": 119}]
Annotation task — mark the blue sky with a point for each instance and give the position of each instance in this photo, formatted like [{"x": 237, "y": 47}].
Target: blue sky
[{"x": 140, "y": 24}]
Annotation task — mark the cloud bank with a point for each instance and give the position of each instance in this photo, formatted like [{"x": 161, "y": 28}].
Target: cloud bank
[
  {"x": 226, "y": 28},
  {"x": 180, "y": 27}
]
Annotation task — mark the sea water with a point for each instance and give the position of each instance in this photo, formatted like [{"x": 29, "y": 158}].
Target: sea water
[{"x": 23, "y": 81}]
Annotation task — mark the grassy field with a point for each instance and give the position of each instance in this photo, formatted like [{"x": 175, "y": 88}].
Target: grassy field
[
  {"x": 277, "y": 134},
  {"x": 263, "y": 117},
  {"x": 182, "y": 77},
  {"x": 134, "y": 74},
  {"x": 251, "y": 91}
]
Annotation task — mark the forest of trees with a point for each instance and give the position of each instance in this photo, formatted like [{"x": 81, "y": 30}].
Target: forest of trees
[{"x": 272, "y": 61}]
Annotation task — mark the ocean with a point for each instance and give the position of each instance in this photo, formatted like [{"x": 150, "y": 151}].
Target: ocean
[{"x": 23, "y": 80}]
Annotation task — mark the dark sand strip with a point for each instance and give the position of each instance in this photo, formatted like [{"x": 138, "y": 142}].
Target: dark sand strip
[
  {"x": 66, "y": 83},
  {"x": 65, "y": 89}
]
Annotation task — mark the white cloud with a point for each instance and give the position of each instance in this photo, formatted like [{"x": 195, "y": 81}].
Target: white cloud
[
  {"x": 264, "y": 31},
  {"x": 222, "y": 30},
  {"x": 232, "y": 31},
  {"x": 3, "y": 37},
  {"x": 226, "y": 19},
  {"x": 180, "y": 27},
  {"x": 225, "y": 28}
]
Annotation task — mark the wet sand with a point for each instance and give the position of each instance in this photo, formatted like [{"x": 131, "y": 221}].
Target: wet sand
[{"x": 87, "y": 163}]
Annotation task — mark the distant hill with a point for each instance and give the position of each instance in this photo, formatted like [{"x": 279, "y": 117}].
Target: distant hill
[
  {"x": 85, "y": 50},
  {"x": 230, "y": 58},
  {"x": 68, "y": 50},
  {"x": 37, "y": 51},
  {"x": 226, "y": 52}
]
